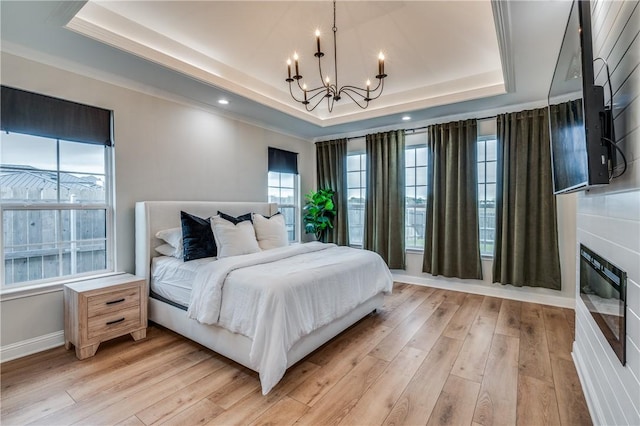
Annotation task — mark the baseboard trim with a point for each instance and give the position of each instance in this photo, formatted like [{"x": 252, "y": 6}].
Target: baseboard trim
[
  {"x": 31, "y": 346},
  {"x": 485, "y": 290},
  {"x": 587, "y": 386}
]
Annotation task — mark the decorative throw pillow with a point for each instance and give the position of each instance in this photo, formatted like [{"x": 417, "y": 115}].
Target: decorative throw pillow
[
  {"x": 271, "y": 232},
  {"x": 235, "y": 220},
  {"x": 234, "y": 239},
  {"x": 197, "y": 237}
]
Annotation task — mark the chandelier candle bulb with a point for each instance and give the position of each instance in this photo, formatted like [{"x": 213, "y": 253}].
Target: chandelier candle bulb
[
  {"x": 380, "y": 64},
  {"x": 318, "y": 39},
  {"x": 295, "y": 58},
  {"x": 368, "y": 87},
  {"x": 289, "y": 67}
]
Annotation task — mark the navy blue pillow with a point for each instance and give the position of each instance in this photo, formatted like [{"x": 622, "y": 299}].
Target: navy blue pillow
[
  {"x": 197, "y": 237},
  {"x": 235, "y": 220}
]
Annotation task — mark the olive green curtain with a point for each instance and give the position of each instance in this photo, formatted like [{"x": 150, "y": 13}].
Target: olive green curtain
[
  {"x": 451, "y": 246},
  {"x": 331, "y": 159},
  {"x": 566, "y": 118},
  {"x": 526, "y": 250},
  {"x": 384, "y": 206}
]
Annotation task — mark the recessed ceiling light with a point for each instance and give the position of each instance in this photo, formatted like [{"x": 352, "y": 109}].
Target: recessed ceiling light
[
  {"x": 223, "y": 102},
  {"x": 406, "y": 118}
]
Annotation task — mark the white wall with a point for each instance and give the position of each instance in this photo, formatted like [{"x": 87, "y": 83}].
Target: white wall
[
  {"x": 164, "y": 150},
  {"x": 609, "y": 224}
]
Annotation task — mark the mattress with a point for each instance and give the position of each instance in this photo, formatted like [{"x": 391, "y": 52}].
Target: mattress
[{"x": 172, "y": 278}]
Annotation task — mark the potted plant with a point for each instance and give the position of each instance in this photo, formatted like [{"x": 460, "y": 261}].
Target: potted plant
[{"x": 319, "y": 212}]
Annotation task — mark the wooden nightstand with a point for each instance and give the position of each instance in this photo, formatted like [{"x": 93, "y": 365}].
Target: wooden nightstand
[{"x": 100, "y": 309}]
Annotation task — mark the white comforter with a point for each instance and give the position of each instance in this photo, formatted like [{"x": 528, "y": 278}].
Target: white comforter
[{"x": 275, "y": 297}]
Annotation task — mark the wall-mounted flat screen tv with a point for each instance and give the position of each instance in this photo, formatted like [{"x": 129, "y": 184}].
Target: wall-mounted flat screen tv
[{"x": 578, "y": 119}]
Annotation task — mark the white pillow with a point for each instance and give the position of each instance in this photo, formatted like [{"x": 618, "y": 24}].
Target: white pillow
[
  {"x": 173, "y": 237},
  {"x": 168, "y": 250},
  {"x": 270, "y": 232},
  {"x": 234, "y": 240}
]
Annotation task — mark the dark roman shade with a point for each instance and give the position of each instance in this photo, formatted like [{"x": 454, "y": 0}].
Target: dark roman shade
[
  {"x": 283, "y": 161},
  {"x": 40, "y": 115}
]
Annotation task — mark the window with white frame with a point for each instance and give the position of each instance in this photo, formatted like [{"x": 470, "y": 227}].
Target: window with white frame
[
  {"x": 415, "y": 196},
  {"x": 283, "y": 190},
  {"x": 356, "y": 192},
  {"x": 56, "y": 209},
  {"x": 487, "y": 164}
]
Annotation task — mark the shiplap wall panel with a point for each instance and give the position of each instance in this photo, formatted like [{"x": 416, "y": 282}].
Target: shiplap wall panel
[{"x": 608, "y": 222}]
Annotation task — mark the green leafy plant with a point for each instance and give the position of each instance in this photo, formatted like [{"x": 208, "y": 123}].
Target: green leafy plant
[{"x": 319, "y": 212}]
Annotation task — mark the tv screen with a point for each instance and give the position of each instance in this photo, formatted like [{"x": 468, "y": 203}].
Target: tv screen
[{"x": 576, "y": 110}]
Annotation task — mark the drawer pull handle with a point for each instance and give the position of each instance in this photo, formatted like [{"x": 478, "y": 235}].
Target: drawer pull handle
[
  {"x": 115, "y": 321},
  {"x": 113, "y": 302}
]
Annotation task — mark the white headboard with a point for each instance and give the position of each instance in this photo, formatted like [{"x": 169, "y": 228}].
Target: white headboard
[{"x": 152, "y": 216}]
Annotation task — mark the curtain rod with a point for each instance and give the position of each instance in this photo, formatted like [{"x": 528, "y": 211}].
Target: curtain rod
[{"x": 412, "y": 130}]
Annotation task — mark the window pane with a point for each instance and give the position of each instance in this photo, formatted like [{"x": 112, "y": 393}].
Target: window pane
[
  {"x": 481, "y": 172},
  {"x": 410, "y": 157},
  {"x": 81, "y": 157},
  {"x": 363, "y": 178},
  {"x": 491, "y": 192},
  {"x": 421, "y": 176},
  {"x": 421, "y": 156},
  {"x": 353, "y": 162},
  {"x": 481, "y": 192},
  {"x": 274, "y": 194},
  {"x": 51, "y": 243},
  {"x": 286, "y": 196},
  {"x": 421, "y": 194},
  {"x": 273, "y": 179},
  {"x": 481, "y": 153},
  {"x": 491, "y": 171},
  {"x": 491, "y": 150},
  {"x": 26, "y": 150},
  {"x": 286, "y": 180},
  {"x": 353, "y": 179},
  {"x": 410, "y": 195},
  {"x": 353, "y": 195},
  {"x": 77, "y": 188},
  {"x": 410, "y": 176}
]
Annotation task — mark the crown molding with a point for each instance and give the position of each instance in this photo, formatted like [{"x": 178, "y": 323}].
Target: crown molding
[{"x": 502, "y": 19}]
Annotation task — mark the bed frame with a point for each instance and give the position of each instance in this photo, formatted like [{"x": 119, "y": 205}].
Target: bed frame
[{"x": 152, "y": 216}]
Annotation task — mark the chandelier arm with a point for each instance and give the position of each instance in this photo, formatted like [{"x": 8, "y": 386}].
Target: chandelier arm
[
  {"x": 381, "y": 86},
  {"x": 311, "y": 90},
  {"x": 306, "y": 106},
  {"x": 292, "y": 95},
  {"x": 346, "y": 92}
]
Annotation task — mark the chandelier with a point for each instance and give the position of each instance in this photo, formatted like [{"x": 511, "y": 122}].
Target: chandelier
[{"x": 311, "y": 98}]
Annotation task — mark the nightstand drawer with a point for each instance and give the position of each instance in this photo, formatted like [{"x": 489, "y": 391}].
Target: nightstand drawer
[
  {"x": 113, "y": 301},
  {"x": 113, "y": 322}
]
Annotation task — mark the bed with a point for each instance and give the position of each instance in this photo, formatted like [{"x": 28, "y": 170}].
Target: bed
[{"x": 289, "y": 336}]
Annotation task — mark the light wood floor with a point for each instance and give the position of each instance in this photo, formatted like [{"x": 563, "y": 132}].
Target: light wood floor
[{"x": 428, "y": 357}]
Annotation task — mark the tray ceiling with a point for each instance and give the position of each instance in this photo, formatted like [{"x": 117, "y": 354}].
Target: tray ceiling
[{"x": 437, "y": 52}]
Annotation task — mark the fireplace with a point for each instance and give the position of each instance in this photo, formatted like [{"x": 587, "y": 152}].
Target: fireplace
[{"x": 603, "y": 288}]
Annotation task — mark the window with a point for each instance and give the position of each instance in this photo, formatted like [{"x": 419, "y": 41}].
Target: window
[
  {"x": 487, "y": 160},
  {"x": 356, "y": 190},
  {"x": 56, "y": 209},
  {"x": 283, "y": 190},
  {"x": 415, "y": 196}
]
